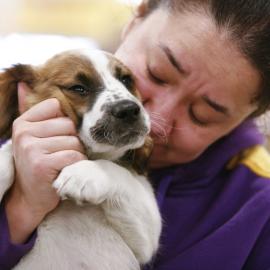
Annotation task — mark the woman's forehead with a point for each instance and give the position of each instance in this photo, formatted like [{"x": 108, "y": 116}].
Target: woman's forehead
[{"x": 199, "y": 46}]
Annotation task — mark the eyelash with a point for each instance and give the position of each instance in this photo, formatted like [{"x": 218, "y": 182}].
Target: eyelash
[
  {"x": 154, "y": 78},
  {"x": 195, "y": 119}
]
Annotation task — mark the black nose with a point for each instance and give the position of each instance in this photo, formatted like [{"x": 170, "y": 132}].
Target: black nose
[{"x": 126, "y": 110}]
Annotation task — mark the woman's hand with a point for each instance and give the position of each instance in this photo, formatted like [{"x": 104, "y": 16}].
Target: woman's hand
[{"x": 44, "y": 141}]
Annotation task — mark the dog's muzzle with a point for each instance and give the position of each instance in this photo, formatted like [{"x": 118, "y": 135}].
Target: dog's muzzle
[{"x": 123, "y": 123}]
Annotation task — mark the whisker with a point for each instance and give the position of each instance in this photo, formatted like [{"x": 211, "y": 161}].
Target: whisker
[
  {"x": 157, "y": 116},
  {"x": 160, "y": 132}
]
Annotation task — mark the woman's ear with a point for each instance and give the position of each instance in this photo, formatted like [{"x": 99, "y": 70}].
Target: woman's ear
[{"x": 140, "y": 13}]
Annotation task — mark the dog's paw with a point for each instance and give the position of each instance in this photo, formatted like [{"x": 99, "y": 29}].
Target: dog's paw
[{"x": 84, "y": 181}]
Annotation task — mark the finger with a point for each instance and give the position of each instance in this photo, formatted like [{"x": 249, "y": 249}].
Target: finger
[
  {"x": 60, "y": 143},
  {"x": 23, "y": 89},
  {"x": 47, "y": 109},
  {"x": 61, "y": 126},
  {"x": 61, "y": 159}
]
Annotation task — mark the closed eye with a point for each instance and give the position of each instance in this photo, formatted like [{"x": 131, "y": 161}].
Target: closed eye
[
  {"x": 154, "y": 78},
  {"x": 195, "y": 119}
]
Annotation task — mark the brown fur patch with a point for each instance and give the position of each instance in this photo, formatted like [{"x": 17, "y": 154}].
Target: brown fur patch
[
  {"x": 57, "y": 77},
  {"x": 138, "y": 159},
  {"x": 53, "y": 80}
]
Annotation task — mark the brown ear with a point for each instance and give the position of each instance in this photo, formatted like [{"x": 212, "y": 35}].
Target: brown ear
[
  {"x": 9, "y": 97},
  {"x": 138, "y": 158}
]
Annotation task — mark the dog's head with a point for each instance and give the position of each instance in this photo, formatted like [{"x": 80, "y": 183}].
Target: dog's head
[{"x": 96, "y": 91}]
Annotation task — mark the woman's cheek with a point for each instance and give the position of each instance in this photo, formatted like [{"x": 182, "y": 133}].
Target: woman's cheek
[
  {"x": 144, "y": 90},
  {"x": 190, "y": 143}
]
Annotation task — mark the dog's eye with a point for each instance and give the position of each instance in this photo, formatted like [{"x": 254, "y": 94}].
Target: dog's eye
[
  {"x": 79, "y": 89},
  {"x": 127, "y": 80}
]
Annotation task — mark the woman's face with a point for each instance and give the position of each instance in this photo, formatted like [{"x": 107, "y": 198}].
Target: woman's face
[{"x": 194, "y": 82}]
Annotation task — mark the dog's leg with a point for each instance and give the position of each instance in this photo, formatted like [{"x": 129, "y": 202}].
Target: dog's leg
[
  {"x": 128, "y": 201},
  {"x": 6, "y": 168}
]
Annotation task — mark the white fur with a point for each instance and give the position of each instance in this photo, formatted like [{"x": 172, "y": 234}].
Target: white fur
[
  {"x": 115, "y": 225},
  {"x": 89, "y": 120}
]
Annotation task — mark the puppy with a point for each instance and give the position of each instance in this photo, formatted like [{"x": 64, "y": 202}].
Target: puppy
[{"x": 110, "y": 220}]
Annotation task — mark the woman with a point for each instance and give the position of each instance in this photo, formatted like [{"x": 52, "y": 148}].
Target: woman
[{"x": 202, "y": 68}]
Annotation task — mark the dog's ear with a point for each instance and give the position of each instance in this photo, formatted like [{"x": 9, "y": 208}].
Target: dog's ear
[
  {"x": 9, "y": 97},
  {"x": 138, "y": 158}
]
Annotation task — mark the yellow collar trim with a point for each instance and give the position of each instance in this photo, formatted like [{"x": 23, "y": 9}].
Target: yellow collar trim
[{"x": 256, "y": 158}]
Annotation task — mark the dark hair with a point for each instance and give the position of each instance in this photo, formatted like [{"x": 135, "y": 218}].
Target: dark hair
[{"x": 248, "y": 25}]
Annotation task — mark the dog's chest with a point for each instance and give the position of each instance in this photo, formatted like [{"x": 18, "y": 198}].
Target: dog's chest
[{"x": 71, "y": 237}]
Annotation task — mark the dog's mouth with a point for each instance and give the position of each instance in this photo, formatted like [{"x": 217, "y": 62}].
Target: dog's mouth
[
  {"x": 123, "y": 123},
  {"x": 118, "y": 134}
]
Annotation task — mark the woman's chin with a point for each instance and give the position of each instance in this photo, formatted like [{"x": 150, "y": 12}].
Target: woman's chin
[{"x": 164, "y": 156}]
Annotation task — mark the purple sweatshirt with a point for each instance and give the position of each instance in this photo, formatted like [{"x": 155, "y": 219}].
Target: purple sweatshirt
[
  {"x": 10, "y": 253},
  {"x": 214, "y": 218}
]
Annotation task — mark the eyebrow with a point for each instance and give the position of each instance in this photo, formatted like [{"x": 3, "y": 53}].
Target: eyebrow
[
  {"x": 83, "y": 78},
  {"x": 176, "y": 64},
  {"x": 216, "y": 106}
]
